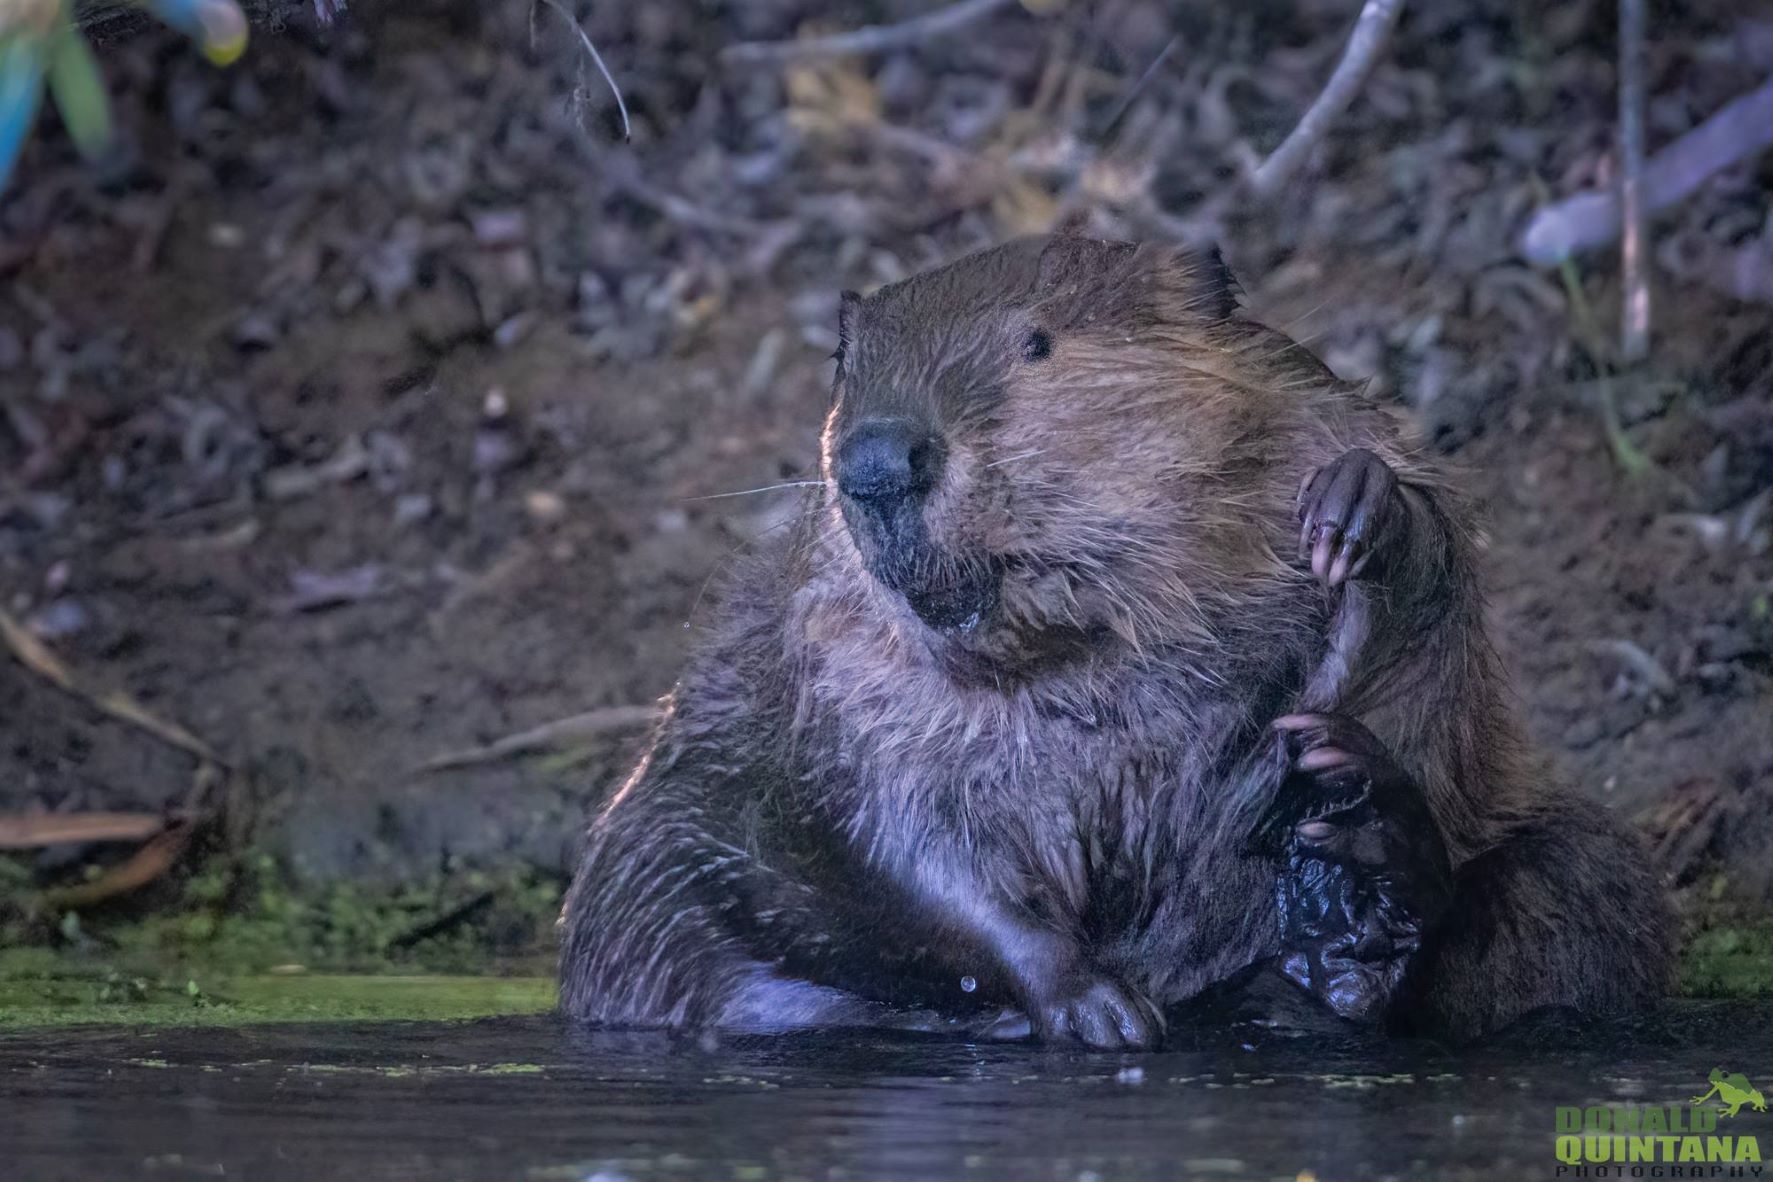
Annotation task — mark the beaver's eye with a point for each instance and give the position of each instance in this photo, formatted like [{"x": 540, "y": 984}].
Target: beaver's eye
[{"x": 1037, "y": 346}]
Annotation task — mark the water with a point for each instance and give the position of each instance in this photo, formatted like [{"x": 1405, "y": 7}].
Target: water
[{"x": 529, "y": 1098}]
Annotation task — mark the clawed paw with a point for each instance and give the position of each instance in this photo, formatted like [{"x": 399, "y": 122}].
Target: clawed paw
[
  {"x": 1345, "y": 507},
  {"x": 1100, "y": 1014},
  {"x": 1335, "y": 767}
]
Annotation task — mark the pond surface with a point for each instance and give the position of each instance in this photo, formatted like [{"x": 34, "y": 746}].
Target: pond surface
[{"x": 529, "y": 1098}]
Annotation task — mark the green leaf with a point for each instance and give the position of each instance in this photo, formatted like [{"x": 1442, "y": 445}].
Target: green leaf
[{"x": 79, "y": 91}]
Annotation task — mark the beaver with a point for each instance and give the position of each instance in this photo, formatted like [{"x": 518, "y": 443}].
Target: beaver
[{"x": 1122, "y": 652}]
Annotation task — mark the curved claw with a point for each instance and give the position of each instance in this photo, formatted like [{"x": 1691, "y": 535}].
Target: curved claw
[
  {"x": 218, "y": 26},
  {"x": 1344, "y": 507},
  {"x": 22, "y": 66}
]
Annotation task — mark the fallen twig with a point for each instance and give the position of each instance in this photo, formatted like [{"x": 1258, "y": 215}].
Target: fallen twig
[
  {"x": 312, "y": 591},
  {"x": 148, "y": 863},
  {"x": 1138, "y": 87},
  {"x": 1372, "y": 29},
  {"x": 1586, "y": 221},
  {"x": 597, "y": 60},
  {"x": 589, "y": 725},
  {"x": 868, "y": 39},
  {"x": 461, "y": 913},
  {"x": 35, "y": 656},
  {"x": 1634, "y": 328},
  {"x": 46, "y": 829}
]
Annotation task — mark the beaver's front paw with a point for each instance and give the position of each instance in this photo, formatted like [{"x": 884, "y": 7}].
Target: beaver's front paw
[
  {"x": 1364, "y": 871},
  {"x": 1346, "y": 509},
  {"x": 1097, "y": 1012}
]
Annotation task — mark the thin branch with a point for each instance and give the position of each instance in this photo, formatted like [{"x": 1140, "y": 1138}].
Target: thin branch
[
  {"x": 1740, "y": 128},
  {"x": 1138, "y": 87},
  {"x": 597, "y": 60},
  {"x": 577, "y": 728},
  {"x": 35, "y": 656},
  {"x": 1372, "y": 29},
  {"x": 47, "y": 829},
  {"x": 154, "y": 858},
  {"x": 868, "y": 39},
  {"x": 1634, "y": 328}
]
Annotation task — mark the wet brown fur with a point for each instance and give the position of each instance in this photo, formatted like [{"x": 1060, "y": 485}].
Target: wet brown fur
[{"x": 847, "y": 810}]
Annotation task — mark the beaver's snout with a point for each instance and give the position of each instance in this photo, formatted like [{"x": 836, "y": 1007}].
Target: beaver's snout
[
  {"x": 887, "y": 464},
  {"x": 885, "y": 470}
]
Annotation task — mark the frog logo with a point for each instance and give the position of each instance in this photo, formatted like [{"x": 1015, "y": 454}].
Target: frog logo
[{"x": 1732, "y": 1091}]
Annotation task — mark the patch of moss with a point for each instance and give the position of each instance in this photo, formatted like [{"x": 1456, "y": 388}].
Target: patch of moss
[
  {"x": 1728, "y": 959},
  {"x": 244, "y": 916},
  {"x": 239, "y": 941}
]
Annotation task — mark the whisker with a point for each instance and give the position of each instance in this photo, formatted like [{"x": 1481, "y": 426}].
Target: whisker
[
  {"x": 745, "y": 492},
  {"x": 1027, "y": 455}
]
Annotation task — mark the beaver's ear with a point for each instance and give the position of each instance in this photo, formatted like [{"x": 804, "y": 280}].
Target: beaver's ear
[
  {"x": 1221, "y": 293},
  {"x": 1056, "y": 260},
  {"x": 1073, "y": 224},
  {"x": 1068, "y": 259},
  {"x": 848, "y": 303}
]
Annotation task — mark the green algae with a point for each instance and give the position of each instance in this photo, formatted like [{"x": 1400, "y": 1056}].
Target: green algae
[{"x": 75, "y": 997}]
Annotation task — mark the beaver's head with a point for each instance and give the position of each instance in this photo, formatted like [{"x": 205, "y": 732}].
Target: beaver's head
[{"x": 1051, "y": 446}]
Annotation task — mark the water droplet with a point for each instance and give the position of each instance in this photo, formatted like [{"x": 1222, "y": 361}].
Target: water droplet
[{"x": 968, "y": 984}]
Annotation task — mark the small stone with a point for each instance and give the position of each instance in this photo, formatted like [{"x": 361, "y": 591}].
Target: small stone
[
  {"x": 59, "y": 620},
  {"x": 545, "y": 505},
  {"x": 514, "y": 330},
  {"x": 500, "y": 228},
  {"x": 255, "y": 330},
  {"x": 412, "y": 507},
  {"x": 350, "y": 296},
  {"x": 497, "y": 450},
  {"x": 596, "y": 306}
]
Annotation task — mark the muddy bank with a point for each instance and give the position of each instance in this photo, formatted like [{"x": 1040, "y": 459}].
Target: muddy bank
[{"x": 385, "y": 406}]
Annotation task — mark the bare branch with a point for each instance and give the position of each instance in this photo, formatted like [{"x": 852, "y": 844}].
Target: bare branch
[
  {"x": 1590, "y": 220},
  {"x": 1372, "y": 29},
  {"x": 577, "y": 728},
  {"x": 154, "y": 858},
  {"x": 35, "y": 656},
  {"x": 597, "y": 60},
  {"x": 45, "y": 829},
  {"x": 1634, "y": 327},
  {"x": 868, "y": 39}
]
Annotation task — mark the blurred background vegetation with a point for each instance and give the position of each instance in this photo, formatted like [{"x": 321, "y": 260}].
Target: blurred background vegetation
[{"x": 373, "y": 408}]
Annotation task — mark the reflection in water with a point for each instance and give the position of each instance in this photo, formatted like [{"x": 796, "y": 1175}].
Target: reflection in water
[{"x": 531, "y": 1099}]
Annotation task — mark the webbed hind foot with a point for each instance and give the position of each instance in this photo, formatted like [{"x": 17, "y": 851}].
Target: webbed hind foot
[{"x": 1364, "y": 871}]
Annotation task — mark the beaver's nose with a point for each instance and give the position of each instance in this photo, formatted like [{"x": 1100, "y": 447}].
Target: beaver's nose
[{"x": 887, "y": 462}]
